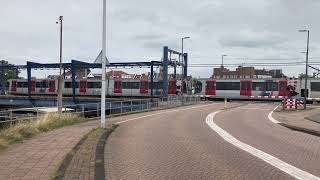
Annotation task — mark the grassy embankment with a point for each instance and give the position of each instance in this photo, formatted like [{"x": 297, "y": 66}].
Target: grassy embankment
[{"x": 24, "y": 130}]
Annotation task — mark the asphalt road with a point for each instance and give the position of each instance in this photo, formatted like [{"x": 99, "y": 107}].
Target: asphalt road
[{"x": 179, "y": 144}]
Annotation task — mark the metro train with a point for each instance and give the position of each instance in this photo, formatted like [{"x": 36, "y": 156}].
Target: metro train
[
  {"x": 276, "y": 88},
  {"x": 92, "y": 87},
  {"x": 233, "y": 88}
]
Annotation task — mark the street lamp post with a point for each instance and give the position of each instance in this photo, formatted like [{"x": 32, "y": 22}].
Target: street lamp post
[
  {"x": 60, "y": 80},
  {"x": 223, "y": 55},
  {"x": 306, "y": 75},
  {"x": 182, "y": 43},
  {"x": 103, "y": 64}
]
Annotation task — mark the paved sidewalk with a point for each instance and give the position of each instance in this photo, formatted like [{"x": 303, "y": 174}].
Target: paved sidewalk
[
  {"x": 299, "y": 119},
  {"x": 40, "y": 157}
]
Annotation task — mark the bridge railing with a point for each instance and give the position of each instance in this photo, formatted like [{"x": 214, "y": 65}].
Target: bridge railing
[{"x": 12, "y": 116}]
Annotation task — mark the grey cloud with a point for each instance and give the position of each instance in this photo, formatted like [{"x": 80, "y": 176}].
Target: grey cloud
[{"x": 251, "y": 39}]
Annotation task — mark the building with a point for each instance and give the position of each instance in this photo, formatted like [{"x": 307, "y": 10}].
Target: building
[
  {"x": 121, "y": 75},
  {"x": 246, "y": 72}
]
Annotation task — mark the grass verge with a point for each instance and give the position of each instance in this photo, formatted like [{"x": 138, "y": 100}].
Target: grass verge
[{"x": 47, "y": 122}]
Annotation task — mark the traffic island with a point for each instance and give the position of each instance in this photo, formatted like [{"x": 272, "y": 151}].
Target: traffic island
[
  {"x": 84, "y": 159},
  {"x": 299, "y": 120}
]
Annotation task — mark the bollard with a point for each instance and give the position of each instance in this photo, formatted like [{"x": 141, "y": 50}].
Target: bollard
[
  {"x": 131, "y": 106},
  {"x": 82, "y": 110},
  {"x": 110, "y": 110},
  {"x": 225, "y": 103},
  {"x": 121, "y": 109},
  {"x": 11, "y": 118},
  {"x": 37, "y": 113},
  {"x": 97, "y": 109}
]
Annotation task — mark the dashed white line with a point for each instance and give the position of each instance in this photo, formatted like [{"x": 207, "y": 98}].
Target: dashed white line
[{"x": 283, "y": 166}]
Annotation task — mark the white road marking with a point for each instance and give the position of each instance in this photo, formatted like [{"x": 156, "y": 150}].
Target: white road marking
[
  {"x": 163, "y": 112},
  {"x": 283, "y": 166},
  {"x": 270, "y": 116}
]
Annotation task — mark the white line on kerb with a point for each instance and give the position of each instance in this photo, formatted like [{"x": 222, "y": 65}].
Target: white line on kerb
[
  {"x": 270, "y": 115},
  {"x": 163, "y": 112},
  {"x": 283, "y": 166}
]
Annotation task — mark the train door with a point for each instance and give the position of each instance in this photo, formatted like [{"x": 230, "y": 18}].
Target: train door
[
  {"x": 144, "y": 87},
  {"x": 245, "y": 88},
  {"x": 52, "y": 86},
  {"x": 83, "y": 86},
  {"x": 172, "y": 87},
  {"x": 283, "y": 88},
  {"x": 210, "y": 87},
  {"x": 33, "y": 86},
  {"x": 13, "y": 86},
  {"x": 117, "y": 86}
]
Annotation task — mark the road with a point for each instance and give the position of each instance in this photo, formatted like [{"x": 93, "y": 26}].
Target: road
[{"x": 181, "y": 145}]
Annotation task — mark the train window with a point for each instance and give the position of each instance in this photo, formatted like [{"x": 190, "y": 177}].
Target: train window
[
  {"x": 210, "y": 85},
  {"x": 38, "y": 84},
  {"x": 258, "y": 86},
  {"x": 134, "y": 85},
  {"x": 315, "y": 86},
  {"x": 228, "y": 85},
  {"x": 94, "y": 84},
  {"x": 198, "y": 87},
  {"x": 125, "y": 85},
  {"x": 271, "y": 86},
  {"x": 22, "y": 84},
  {"x": 67, "y": 85},
  {"x": 172, "y": 84},
  {"x": 157, "y": 85}
]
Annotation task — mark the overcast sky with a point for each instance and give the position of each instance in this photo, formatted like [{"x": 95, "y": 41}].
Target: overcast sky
[{"x": 245, "y": 30}]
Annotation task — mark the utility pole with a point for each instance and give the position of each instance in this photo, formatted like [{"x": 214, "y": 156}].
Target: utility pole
[
  {"x": 306, "y": 76},
  {"x": 60, "y": 79},
  {"x": 182, "y": 43},
  {"x": 103, "y": 66}
]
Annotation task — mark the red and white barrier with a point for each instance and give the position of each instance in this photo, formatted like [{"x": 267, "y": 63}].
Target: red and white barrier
[{"x": 292, "y": 103}]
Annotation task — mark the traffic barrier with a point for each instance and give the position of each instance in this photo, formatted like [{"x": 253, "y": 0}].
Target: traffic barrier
[{"x": 292, "y": 103}]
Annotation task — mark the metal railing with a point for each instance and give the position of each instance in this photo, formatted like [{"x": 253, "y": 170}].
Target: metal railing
[{"x": 10, "y": 117}]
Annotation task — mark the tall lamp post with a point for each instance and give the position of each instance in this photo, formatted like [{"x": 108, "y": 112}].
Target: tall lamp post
[
  {"x": 103, "y": 64},
  {"x": 182, "y": 43},
  {"x": 60, "y": 80},
  {"x": 223, "y": 55},
  {"x": 306, "y": 75}
]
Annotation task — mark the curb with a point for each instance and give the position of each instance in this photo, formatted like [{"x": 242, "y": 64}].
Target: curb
[
  {"x": 292, "y": 127},
  {"x": 300, "y": 129},
  {"x": 60, "y": 173},
  {"x": 99, "y": 170}
]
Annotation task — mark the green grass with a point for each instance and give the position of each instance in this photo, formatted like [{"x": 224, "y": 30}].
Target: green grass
[{"x": 47, "y": 122}]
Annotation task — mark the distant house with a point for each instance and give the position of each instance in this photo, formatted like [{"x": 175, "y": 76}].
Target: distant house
[
  {"x": 121, "y": 75},
  {"x": 80, "y": 74}
]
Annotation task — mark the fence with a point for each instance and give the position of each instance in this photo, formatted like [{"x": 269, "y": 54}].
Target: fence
[{"x": 12, "y": 116}]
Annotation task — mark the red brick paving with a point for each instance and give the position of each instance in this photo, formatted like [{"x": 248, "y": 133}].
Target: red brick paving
[
  {"x": 39, "y": 157},
  {"x": 179, "y": 145},
  {"x": 299, "y": 118},
  {"x": 250, "y": 125}
]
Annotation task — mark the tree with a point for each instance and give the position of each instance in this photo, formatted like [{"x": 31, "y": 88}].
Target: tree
[
  {"x": 7, "y": 72},
  {"x": 303, "y": 76}
]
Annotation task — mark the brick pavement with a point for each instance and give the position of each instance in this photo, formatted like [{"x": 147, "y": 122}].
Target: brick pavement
[
  {"x": 299, "y": 118},
  {"x": 82, "y": 165},
  {"x": 179, "y": 145},
  {"x": 39, "y": 157},
  {"x": 251, "y": 125}
]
